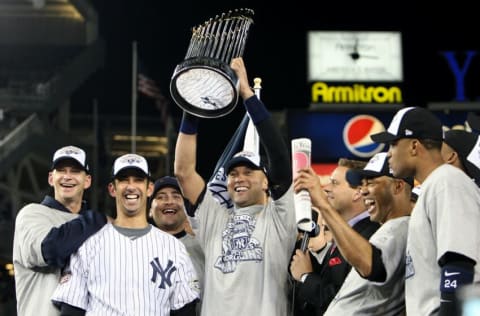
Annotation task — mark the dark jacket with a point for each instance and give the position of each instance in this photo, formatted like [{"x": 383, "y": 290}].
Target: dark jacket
[{"x": 313, "y": 297}]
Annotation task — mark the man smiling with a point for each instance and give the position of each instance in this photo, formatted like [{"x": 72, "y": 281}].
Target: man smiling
[
  {"x": 169, "y": 214},
  {"x": 129, "y": 267},
  {"x": 376, "y": 284},
  {"x": 47, "y": 233}
]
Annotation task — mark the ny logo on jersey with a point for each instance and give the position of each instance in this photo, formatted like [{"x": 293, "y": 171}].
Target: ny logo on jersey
[{"x": 165, "y": 274}]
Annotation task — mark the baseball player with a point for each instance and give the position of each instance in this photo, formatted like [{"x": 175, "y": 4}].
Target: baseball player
[
  {"x": 47, "y": 233},
  {"x": 443, "y": 236},
  {"x": 129, "y": 267},
  {"x": 376, "y": 284},
  {"x": 168, "y": 213},
  {"x": 247, "y": 248},
  {"x": 460, "y": 149}
]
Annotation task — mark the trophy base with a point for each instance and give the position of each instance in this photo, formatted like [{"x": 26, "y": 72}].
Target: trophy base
[{"x": 204, "y": 87}]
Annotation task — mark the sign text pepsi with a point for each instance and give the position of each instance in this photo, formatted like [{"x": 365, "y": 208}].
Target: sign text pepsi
[{"x": 335, "y": 135}]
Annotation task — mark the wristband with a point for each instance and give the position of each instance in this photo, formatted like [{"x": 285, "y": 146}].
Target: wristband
[
  {"x": 189, "y": 124},
  {"x": 454, "y": 276}
]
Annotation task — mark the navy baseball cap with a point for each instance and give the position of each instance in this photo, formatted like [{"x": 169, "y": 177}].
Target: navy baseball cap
[
  {"x": 166, "y": 181},
  {"x": 171, "y": 182},
  {"x": 245, "y": 158},
  {"x": 72, "y": 153},
  {"x": 376, "y": 167},
  {"x": 473, "y": 121},
  {"x": 130, "y": 161},
  {"x": 411, "y": 122},
  {"x": 467, "y": 146}
]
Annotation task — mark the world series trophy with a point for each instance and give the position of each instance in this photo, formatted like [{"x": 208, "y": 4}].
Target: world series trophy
[{"x": 204, "y": 84}]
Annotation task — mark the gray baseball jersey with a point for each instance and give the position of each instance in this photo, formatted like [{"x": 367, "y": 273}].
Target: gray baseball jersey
[
  {"x": 195, "y": 252},
  {"x": 113, "y": 274},
  {"x": 247, "y": 252},
  {"x": 446, "y": 218},
  {"x": 34, "y": 280},
  {"x": 359, "y": 296}
]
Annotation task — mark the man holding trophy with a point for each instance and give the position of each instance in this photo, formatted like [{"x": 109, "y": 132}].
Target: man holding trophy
[
  {"x": 248, "y": 247},
  {"x": 245, "y": 215}
]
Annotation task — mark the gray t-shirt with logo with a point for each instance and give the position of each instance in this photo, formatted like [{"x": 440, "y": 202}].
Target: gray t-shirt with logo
[{"x": 247, "y": 253}]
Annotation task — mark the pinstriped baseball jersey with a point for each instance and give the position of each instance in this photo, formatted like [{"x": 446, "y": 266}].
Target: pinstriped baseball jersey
[{"x": 113, "y": 274}]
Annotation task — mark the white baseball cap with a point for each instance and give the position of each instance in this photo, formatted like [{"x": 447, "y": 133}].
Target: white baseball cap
[
  {"x": 131, "y": 161},
  {"x": 70, "y": 152}
]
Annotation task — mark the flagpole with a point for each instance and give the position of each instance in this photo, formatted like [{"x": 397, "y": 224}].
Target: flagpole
[
  {"x": 134, "y": 98},
  {"x": 252, "y": 141},
  {"x": 257, "y": 86}
]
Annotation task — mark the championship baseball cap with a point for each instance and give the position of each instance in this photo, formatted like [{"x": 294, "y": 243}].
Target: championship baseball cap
[
  {"x": 467, "y": 146},
  {"x": 130, "y": 161},
  {"x": 376, "y": 167},
  {"x": 245, "y": 158},
  {"x": 73, "y": 153},
  {"x": 411, "y": 122}
]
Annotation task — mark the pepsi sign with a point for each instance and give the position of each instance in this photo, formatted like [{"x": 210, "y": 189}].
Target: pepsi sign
[
  {"x": 339, "y": 134},
  {"x": 356, "y": 135}
]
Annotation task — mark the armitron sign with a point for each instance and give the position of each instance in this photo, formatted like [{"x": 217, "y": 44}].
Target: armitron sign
[{"x": 355, "y": 93}]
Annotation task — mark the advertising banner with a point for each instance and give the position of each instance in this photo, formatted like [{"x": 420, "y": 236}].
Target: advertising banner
[{"x": 342, "y": 134}]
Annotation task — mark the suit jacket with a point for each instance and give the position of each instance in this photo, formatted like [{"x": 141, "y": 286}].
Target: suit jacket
[{"x": 314, "y": 295}]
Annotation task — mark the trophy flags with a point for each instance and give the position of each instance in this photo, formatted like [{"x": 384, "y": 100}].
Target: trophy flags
[
  {"x": 218, "y": 182},
  {"x": 246, "y": 133},
  {"x": 252, "y": 141}
]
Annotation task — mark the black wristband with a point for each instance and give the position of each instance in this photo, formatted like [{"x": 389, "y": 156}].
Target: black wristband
[{"x": 189, "y": 124}]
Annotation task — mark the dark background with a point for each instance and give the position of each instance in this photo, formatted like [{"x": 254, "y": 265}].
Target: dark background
[{"x": 275, "y": 51}]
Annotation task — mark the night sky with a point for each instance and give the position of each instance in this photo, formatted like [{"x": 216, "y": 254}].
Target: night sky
[{"x": 276, "y": 49}]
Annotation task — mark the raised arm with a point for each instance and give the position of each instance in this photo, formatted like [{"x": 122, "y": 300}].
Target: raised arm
[
  {"x": 185, "y": 159},
  {"x": 280, "y": 173},
  {"x": 353, "y": 247}
]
